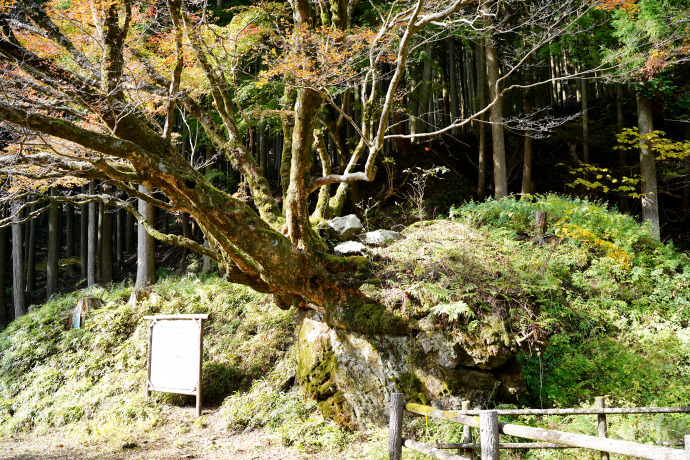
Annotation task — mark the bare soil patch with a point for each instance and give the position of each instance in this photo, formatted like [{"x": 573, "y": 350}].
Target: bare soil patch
[{"x": 183, "y": 436}]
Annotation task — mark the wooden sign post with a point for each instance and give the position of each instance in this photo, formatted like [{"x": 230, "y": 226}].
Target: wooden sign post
[{"x": 176, "y": 345}]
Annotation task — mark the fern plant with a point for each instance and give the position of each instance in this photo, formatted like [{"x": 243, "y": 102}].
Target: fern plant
[{"x": 453, "y": 310}]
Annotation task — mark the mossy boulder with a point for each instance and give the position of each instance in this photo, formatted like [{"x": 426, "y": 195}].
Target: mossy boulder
[{"x": 351, "y": 375}]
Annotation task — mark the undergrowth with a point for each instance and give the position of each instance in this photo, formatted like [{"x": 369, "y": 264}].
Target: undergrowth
[
  {"x": 603, "y": 308},
  {"x": 54, "y": 376}
]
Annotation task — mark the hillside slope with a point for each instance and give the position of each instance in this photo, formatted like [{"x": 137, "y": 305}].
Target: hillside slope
[{"x": 592, "y": 307}]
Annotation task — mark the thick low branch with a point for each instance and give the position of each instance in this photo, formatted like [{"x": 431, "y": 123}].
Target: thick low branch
[{"x": 69, "y": 131}]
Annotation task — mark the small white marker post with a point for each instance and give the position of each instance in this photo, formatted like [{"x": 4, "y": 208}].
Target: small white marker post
[{"x": 175, "y": 352}]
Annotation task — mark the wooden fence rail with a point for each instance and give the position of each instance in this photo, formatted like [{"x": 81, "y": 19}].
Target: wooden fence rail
[{"x": 490, "y": 428}]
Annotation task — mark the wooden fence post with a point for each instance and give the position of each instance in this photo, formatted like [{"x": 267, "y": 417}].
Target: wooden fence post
[
  {"x": 395, "y": 426},
  {"x": 488, "y": 434},
  {"x": 466, "y": 433},
  {"x": 601, "y": 422}
]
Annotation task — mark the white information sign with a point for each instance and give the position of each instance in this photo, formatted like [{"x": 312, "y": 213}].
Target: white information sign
[
  {"x": 175, "y": 355},
  {"x": 175, "y": 351}
]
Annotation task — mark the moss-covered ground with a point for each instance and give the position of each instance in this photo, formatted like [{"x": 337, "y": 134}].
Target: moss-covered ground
[{"x": 599, "y": 308}]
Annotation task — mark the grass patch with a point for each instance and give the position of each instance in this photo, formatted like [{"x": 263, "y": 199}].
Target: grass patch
[{"x": 92, "y": 379}]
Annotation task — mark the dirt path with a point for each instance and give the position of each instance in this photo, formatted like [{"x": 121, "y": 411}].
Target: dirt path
[{"x": 179, "y": 438}]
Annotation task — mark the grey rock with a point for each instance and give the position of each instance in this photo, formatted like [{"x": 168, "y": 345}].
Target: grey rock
[
  {"x": 350, "y": 248},
  {"x": 344, "y": 227},
  {"x": 352, "y": 375},
  {"x": 381, "y": 237}
]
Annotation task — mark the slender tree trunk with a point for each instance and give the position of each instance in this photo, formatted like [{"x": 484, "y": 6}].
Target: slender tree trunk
[
  {"x": 107, "y": 244},
  {"x": 17, "y": 262},
  {"x": 481, "y": 99},
  {"x": 99, "y": 243},
  {"x": 526, "y": 188},
  {"x": 120, "y": 237},
  {"x": 129, "y": 234},
  {"x": 146, "y": 248},
  {"x": 186, "y": 225},
  {"x": 425, "y": 89},
  {"x": 561, "y": 83},
  {"x": 206, "y": 262},
  {"x": 468, "y": 82},
  {"x": 70, "y": 234},
  {"x": 92, "y": 236},
  {"x": 444, "y": 99},
  {"x": 30, "y": 256},
  {"x": 414, "y": 72},
  {"x": 53, "y": 248},
  {"x": 321, "y": 210},
  {"x": 499, "y": 152},
  {"x": 454, "y": 83},
  {"x": 650, "y": 204},
  {"x": 290, "y": 97},
  {"x": 263, "y": 149},
  {"x": 552, "y": 68},
  {"x": 4, "y": 313},
  {"x": 585, "y": 120},
  {"x": 84, "y": 236}
]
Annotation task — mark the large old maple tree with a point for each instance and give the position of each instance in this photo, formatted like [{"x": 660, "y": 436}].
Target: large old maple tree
[{"x": 91, "y": 90}]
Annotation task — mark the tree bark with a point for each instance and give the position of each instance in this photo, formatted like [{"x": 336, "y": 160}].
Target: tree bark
[
  {"x": 92, "y": 236},
  {"x": 146, "y": 247},
  {"x": 186, "y": 226},
  {"x": 423, "y": 115},
  {"x": 552, "y": 68},
  {"x": 526, "y": 188},
  {"x": 30, "y": 256},
  {"x": 53, "y": 248},
  {"x": 107, "y": 244},
  {"x": 498, "y": 141},
  {"x": 17, "y": 262},
  {"x": 119, "y": 237},
  {"x": 290, "y": 96},
  {"x": 296, "y": 212},
  {"x": 70, "y": 234},
  {"x": 444, "y": 99},
  {"x": 585, "y": 120},
  {"x": 454, "y": 83},
  {"x": 99, "y": 242},
  {"x": 321, "y": 209},
  {"x": 414, "y": 73},
  {"x": 84, "y": 236},
  {"x": 4, "y": 313},
  {"x": 481, "y": 97},
  {"x": 650, "y": 204},
  {"x": 129, "y": 234}
]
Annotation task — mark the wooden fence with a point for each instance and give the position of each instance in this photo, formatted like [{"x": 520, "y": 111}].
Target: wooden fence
[{"x": 490, "y": 429}]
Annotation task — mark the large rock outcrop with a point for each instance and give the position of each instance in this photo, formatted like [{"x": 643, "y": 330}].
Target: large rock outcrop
[{"x": 351, "y": 376}]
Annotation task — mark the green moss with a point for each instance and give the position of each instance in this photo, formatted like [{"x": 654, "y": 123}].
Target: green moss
[
  {"x": 413, "y": 388},
  {"x": 316, "y": 367},
  {"x": 368, "y": 318},
  {"x": 335, "y": 408}
]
